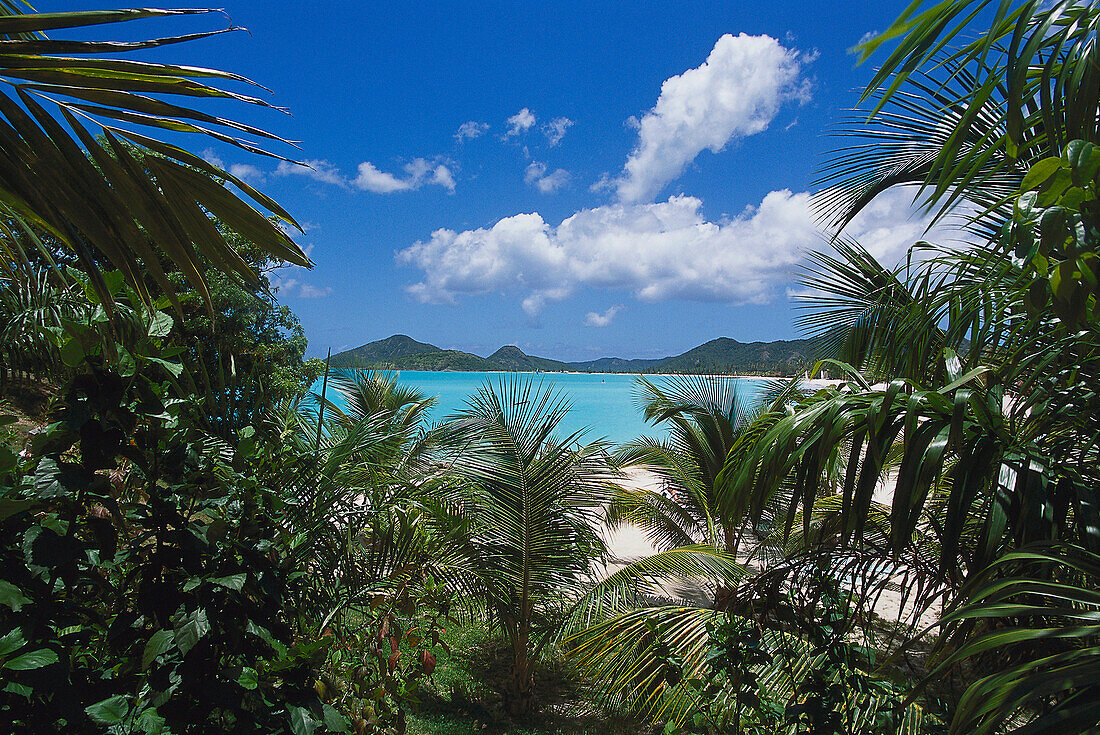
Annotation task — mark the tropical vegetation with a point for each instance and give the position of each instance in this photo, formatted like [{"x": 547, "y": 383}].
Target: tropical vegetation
[{"x": 193, "y": 539}]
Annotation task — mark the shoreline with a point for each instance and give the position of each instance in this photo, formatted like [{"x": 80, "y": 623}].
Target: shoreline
[{"x": 734, "y": 376}]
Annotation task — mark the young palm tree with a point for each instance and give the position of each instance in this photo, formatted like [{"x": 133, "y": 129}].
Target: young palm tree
[
  {"x": 532, "y": 499},
  {"x": 705, "y": 416}
]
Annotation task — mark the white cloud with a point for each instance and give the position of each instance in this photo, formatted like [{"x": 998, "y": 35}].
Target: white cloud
[
  {"x": 212, "y": 158},
  {"x": 536, "y": 175},
  {"x": 306, "y": 291},
  {"x": 471, "y": 129},
  {"x": 317, "y": 169},
  {"x": 246, "y": 172},
  {"x": 369, "y": 177},
  {"x": 891, "y": 224},
  {"x": 555, "y": 130},
  {"x": 660, "y": 251},
  {"x": 380, "y": 182},
  {"x": 243, "y": 171},
  {"x": 293, "y": 287},
  {"x": 594, "y": 319},
  {"x": 521, "y": 122},
  {"x": 735, "y": 93},
  {"x": 443, "y": 176}
]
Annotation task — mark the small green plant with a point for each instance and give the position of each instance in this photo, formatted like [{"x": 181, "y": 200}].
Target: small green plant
[{"x": 377, "y": 673}]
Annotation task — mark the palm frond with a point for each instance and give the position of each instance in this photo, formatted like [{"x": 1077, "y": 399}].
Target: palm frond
[{"x": 78, "y": 164}]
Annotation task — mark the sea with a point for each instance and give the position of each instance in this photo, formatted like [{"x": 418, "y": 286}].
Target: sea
[{"x": 603, "y": 405}]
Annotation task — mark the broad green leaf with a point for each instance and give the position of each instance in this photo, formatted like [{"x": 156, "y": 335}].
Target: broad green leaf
[
  {"x": 174, "y": 368},
  {"x": 302, "y": 722},
  {"x": 33, "y": 660},
  {"x": 11, "y": 596},
  {"x": 72, "y": 352},
  {"x": 248, "y": 678},
  {"x": 110, "y": 711},
  {"x": 334, "y": 721},
  {"x": 161, "y": 324},
  {"x": 188, "y": 634},
  {"x": 12, "y": 641},
  {"x": 233, "y": 581},
  {"x": 157, "y": 644},
  {"x": 1040, "y": 172}
]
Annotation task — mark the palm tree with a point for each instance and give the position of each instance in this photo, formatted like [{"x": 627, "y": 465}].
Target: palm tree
[
  {"x": 705, "y": 416},
  {"x": 365, "y": 493},
  {"x": 989, "y": 356},
  {"x": 532, "y": 500},
  {"x": 76, "y": 175}
]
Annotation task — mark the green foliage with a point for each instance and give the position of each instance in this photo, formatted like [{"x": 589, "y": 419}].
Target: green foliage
[
  {"x": 529, "y": 501},
  {"x": 705, "y": 416},
  {"x": 146, "y": 577},
  {"x": 1054, "y": 230},
  {"x": 245, "y": 352},
  {"x": 375, "y": 675}
]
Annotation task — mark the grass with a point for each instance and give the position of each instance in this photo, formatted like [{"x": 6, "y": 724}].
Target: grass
[{"x": 464, "y": 693}]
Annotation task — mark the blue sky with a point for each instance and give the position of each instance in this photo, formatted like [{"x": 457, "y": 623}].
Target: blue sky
[{"x": 578, "y": 179}]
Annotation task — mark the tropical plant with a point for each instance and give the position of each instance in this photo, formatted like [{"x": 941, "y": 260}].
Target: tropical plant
[
  {"x": 988, "y": 355},
  {"x": 64, "y": 186},
  {"x": 243, "y": 351},
  {"x": 704, "y": 416},
  {"x": 145, "y": 573},
  {"x": 531, "y": 501},
  {"x": 31, "y": 304}
]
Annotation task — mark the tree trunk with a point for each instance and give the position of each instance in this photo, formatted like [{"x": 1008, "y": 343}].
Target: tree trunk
[{"x": 519, "y": 699}]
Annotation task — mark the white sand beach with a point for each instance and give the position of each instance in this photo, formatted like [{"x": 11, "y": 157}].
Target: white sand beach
[{"x": 628, "y": 543}]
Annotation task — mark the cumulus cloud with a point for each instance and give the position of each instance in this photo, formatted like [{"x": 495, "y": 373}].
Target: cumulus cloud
[
  {"x": 443, "y": 176},
  {"x": 595, "y": 319},
  {"x": 380, "y": 182},
  {"x": 369, "y": 177},
  {"x": 243, "y": 171},
  {"x": 661, "y": 251},
  {"x": 892, "y": 223},
  {"x": 735, "y": 93},
  {"x": 536, "y": 176},
  {"x": 247, "y": 172},
  {"x": 521, "y": 122},
  {"x": 317, "y": 169},
  {"x": 212, "y": 158},
  {"x": 555, "y": 130},
  {"x": 471, "y": 129},
  {"x": 289, "y": 286}
]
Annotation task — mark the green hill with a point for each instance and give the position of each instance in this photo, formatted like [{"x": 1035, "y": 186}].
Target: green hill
[
  {"x": 615, "y": 365},
  {"x": 722, "y": 355},
  {"x": 438, "y": 360},
  {"x": 513, "y": 359},
  {"x": 725, "y": 355},
  {"x": 384, "y": 350}
]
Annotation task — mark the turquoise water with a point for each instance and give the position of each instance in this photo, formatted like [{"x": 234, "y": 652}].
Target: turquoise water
[{"x": 604, "y": 405}]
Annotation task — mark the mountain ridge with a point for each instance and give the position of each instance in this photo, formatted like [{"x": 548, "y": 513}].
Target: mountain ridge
[{"x": 720, "y": 355}]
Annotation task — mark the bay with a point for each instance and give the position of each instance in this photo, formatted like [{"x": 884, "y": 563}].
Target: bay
[{"x": 602, "y": 405}]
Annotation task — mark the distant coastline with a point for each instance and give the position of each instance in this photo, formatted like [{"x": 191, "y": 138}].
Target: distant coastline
[{"x": 721, "y": 356}]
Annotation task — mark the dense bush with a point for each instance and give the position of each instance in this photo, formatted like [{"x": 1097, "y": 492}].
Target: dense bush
[{"x": 145, "y": 573}]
